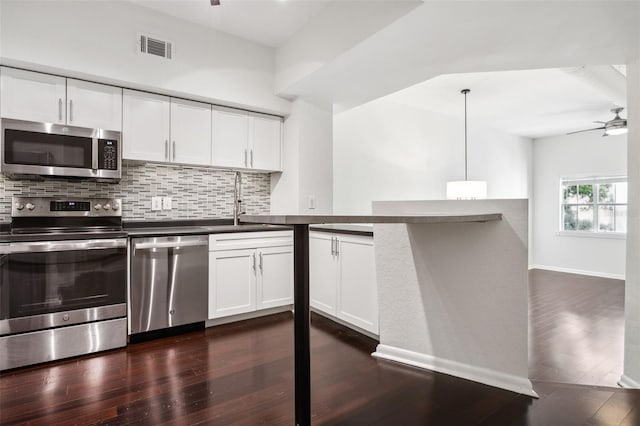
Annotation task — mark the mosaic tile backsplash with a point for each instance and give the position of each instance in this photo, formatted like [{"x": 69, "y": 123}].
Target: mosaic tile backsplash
[{"x": 196, "y": 192}]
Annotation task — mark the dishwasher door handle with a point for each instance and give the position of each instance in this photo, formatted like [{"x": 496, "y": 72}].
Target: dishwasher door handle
[{"x": 169, "y": 244}]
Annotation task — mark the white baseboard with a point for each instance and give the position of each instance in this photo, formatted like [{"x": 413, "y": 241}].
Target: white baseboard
[
  {"x": 629, "y": 383},
  {"x": 248, "y": 315},
  {"x": 521, "y": 385},
  {"x": 578, "y": 271}
]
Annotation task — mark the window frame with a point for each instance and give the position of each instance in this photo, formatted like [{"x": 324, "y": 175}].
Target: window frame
[{"x": 595, "y": 204}]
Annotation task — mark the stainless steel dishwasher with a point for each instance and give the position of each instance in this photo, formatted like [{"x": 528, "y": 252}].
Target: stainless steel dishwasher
[{"x": 169, "y": 281}]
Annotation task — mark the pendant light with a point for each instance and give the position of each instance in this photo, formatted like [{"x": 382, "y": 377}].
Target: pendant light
[{"x": 466, "y": 189}]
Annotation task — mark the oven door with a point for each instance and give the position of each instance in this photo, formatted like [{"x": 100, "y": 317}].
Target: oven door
[
  {"x": 30, "y": 148},
  {"x": 50, "y": 284}
]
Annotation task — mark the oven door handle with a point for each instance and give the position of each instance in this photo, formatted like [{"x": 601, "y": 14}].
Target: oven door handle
[{"x": 49, "y": 246}]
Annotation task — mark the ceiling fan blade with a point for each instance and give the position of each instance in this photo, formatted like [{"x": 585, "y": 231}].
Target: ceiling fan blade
[
  {"x": 601, "y": 122},
  {"x": 586, "y": 130},
  {"x": 215, "y": 2}
]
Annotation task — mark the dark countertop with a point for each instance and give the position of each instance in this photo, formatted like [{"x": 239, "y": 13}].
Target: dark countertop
[
  {"x": 364, "y": 230},
  {"x": 148, "y": 229},
  {"x": 332, "y": 219},
  {"x": 157, "y": 231}
]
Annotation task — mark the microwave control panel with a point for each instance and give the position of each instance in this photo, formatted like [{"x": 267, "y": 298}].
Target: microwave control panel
[{"x": 107, "y": 154}]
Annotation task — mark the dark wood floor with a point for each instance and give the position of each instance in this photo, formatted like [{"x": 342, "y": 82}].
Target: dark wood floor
[
  {"x": 241, "y": 374},
  {"x": 576, "y": 328}
]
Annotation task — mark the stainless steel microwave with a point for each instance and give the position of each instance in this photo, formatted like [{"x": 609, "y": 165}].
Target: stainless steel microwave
[{"x": 43, "y": 149}]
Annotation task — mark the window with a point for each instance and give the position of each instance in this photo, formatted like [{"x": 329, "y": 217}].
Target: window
[{"x": 595, "y": 205}]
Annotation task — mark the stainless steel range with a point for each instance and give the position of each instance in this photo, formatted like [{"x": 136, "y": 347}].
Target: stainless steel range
[{"x": 63, "y": 280}]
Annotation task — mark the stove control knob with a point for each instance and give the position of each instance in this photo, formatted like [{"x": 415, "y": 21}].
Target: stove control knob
[
  {"x": 30, "y": 206},
  {"x": 98, "y": 206},
  {"x": 19, "y": 206},
  {"x": 116, "y": 206},
  {"x": 107, "y": 207}
]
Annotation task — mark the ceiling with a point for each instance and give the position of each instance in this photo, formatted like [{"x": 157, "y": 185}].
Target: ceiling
[
  {"x": 530, "y": 103},
  {"x": 445, "y": 45},
  {"x": 267, "y": 22}
]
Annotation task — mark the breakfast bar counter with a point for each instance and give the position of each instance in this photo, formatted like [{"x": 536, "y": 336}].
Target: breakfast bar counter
[{"x": 300, "y": 224}]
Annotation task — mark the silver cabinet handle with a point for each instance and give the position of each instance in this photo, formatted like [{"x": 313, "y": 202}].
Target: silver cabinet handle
[
  {"x": 252, "y": 158},
  {"x": 245, "y": 158},
  {"x": 70, "y": 110},
  {"x": 166, "y": 149},
  {"x": 174, "y": 150},
  {"x": 254, "y": 260},
  {"x": 333, "y": 251},
  {"x": 337, "y": 245},
  {"x": 59, "y": 109},
  {"x": 261, "y": 261}
]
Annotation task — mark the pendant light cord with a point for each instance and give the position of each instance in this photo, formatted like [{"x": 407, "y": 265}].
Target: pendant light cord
[{"x": 464, "y": 92}]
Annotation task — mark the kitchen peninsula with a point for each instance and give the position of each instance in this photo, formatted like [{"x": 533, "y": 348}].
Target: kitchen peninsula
[{"x": 404, "y": 232}]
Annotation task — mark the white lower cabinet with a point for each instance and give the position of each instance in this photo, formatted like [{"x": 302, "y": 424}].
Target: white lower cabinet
[
  {"x": 249, "y": 271},
  {"x": 342, "y": 278}
]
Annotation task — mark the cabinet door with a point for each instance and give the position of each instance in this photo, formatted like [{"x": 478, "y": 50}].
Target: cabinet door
[
  {"x": 190, "y": 132},
  {"x": 230, "y": 137},
  {"x": 32, "y": 96},
  {"x": 145, "y": 126},
  {"x": 232, "y": 282},
  {"x": 275, "y": 277},
  {"x": 94, "y": 105},
  {"x": 357, "y": 287},
  {"x": 265, "y": 142},
  {"x": 323, "y": 272}
]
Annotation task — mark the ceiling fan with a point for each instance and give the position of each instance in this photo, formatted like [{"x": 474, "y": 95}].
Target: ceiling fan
[{"x": 615, "y": 126}]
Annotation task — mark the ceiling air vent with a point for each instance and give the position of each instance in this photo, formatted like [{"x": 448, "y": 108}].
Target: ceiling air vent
[{"x": 154, "y": 46}]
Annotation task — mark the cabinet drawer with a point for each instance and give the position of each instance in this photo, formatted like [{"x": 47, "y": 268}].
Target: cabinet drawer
[{"x": 244, "y": 240}]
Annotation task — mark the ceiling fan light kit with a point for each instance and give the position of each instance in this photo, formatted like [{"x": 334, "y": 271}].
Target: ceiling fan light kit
[{"x": 466, "y": 189}]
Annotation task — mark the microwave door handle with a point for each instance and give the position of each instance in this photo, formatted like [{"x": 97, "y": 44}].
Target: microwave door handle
[{"x": 94, "y": 154}]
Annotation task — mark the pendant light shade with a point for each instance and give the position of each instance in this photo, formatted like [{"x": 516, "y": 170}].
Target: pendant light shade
[{"x": 466, "y": 189}]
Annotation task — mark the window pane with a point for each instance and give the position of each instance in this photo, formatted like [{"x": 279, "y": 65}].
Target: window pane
[
  {"x": 621, "y": 192},
  {"x": 621, "y": 218},
  {"x": 585, "y": 194},
  {"x": 570, "y": 218},
  {"x": 606, "y": 193},
  {"x": 606, "y": 218},
  {"x": 585, "y": 218},
  {"x": 570, "y": 194}
]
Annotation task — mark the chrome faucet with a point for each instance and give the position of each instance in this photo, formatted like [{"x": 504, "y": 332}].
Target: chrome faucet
[{"x": 237, "y": 198}]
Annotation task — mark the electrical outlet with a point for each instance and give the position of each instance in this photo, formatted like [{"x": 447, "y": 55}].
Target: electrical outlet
[
  {"x": 166, "y": 203},
  {"x": 311, "y": 202},
  {"x": 156, "y": 203}
]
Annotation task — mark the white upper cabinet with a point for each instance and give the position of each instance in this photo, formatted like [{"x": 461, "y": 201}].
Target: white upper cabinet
[
  {"x": 246, "y": 140},
  {"x": 145, "y": 126},
  {"x": 190, "y": 132},
  {"x": 230, "y": 141},
  {"x": 32, "y": 96},
  {"x": 94, "y": 105},
  {"x": 48, "y": 98},
  {"x": 265, "y": 142}
]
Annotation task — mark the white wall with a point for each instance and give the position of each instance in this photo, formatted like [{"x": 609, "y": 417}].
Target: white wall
[
  {"x": 454, "y": 296},
  {"x": 97, "y": 40},
  {"x": 387, "y": 151},
  {"x": 579, "y": 155},
  {"x": 307, "y": 163},
  {"x": 631, "y": 375}
]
